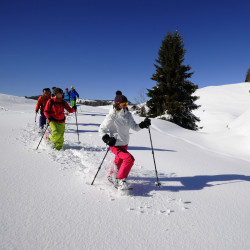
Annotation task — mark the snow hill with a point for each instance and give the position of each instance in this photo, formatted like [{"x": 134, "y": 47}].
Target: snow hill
[{"x": 47, "y": 202}]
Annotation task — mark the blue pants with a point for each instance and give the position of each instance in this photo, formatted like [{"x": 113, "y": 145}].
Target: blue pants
[{"x": 42, "y": 120}]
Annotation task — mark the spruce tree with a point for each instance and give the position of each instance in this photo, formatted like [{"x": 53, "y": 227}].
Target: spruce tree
[
  {"x": 173, "y": 93},
  {"x": 248, "y": 76}
]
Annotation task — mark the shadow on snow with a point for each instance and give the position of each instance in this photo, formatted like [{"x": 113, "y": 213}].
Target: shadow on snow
[
  {"x": 80, "y": 131},
  {"x": 148, "y": 148},
  {"x": 145, "y": 185},
  {"x": 84, "y": 124}
]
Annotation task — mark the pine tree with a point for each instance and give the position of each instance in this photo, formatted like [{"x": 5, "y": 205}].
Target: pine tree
[
  {"x": 248, "y": 76},
  {"x": 173, "y": 93}
]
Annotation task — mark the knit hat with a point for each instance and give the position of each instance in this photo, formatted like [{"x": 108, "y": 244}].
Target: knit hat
[
  {"x": 72, "y": 87},
  {"x": 57, "y": 90},
  {"x": 120, "y": 99},
  {"x": 118, "y": 92},
  {"x": 66, "y": 89},
  {"x": 47, "y": 90}
]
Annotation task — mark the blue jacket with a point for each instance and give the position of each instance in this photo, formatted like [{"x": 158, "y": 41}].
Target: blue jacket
[
  {"x": 66, "y": 96},
  {"x": 73, "y": 94}
]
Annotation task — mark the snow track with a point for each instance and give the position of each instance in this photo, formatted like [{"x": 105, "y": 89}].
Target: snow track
[{"x": 83, "y": 161}]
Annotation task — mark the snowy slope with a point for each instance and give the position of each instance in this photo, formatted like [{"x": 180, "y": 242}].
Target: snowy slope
[
  {"x": 222, "y": 105},
  {"x": 47, "y": 202}
]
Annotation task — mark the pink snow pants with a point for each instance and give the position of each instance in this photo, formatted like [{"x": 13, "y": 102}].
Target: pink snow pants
[{"x": 123, "y": 160}]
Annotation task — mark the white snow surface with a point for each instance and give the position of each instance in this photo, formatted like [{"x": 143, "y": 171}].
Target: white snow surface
[{"x": 47, "y": 202}]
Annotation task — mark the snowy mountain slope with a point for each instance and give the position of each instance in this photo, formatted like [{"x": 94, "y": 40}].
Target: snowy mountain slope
[
  {"x": 220, "y": 105},
  {"x": 47, "y": 201},
  {"x": 15, "y": 103},
  {"x": 224, "y": 118}
]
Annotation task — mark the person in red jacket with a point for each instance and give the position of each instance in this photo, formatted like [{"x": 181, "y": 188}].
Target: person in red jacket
[
  {"x": 54, "y": 112},
  {"x": 41, "y": 103}
]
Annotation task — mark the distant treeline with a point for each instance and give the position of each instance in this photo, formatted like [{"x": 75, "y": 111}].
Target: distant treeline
[
  {"x": 94, "y": 102},
  {"x": 32, "y": 97},
  {"x": 82, "y": 101}
]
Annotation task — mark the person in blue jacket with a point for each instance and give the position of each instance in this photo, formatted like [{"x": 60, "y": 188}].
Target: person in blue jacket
[
  {"x": 72, "y": 96},
  {"x": 66, "y": 95}
]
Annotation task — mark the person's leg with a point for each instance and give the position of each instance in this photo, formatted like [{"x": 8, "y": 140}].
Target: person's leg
[
  {"x": 72, "y": 103},
  {"x": 126, "y": 158},
  {"x": 57, "y": 136},
  {"x": 61, "y": 130},
  {"x": 42, "y": 120}
]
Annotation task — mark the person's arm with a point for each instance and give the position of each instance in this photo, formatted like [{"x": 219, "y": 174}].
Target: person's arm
[
  {"x": 47, "y": 112},
  {"x": 133, "y": 124},
  {"x": 103, "y": 131},
  {"x": 68, "y": 108},
  {"x": 38, "y": 104}
]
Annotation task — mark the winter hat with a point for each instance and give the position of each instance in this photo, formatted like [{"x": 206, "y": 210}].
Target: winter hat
[
  {"x": 66, "y": 89},
  {"x": 118, "y": 92},
  {"x": 120, "y": 99},
  {"x": 57, "y": 90},
  {"x": 72, "y": 87},
  {"x": 47, "y": 90}
]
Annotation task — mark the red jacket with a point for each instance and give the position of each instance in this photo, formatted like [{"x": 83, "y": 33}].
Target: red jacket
[
  {"x": 56, "y": 112},
  {"x": 42, "y": 101}
]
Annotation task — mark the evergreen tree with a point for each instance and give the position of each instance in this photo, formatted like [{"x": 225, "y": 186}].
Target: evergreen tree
[
  {"x": 248, "y": 76},
  {"x": 173, "y": 93}
]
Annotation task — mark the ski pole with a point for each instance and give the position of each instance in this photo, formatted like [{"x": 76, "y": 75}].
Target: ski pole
[
  {"x": 77, "y": 127},
  {"x": 158, "y": 184},
  {"x": 100, "y": 166},
  {"x": 35, "y": 117},
  {"x": 43, "y": 135}
]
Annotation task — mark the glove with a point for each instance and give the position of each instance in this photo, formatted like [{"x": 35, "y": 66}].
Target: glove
[
  {"x": 109, "y": 140},
  {"x": 37, "y": 111},
  {"x": 74, "y": 107},
  {"x": 145, "y": 124}
]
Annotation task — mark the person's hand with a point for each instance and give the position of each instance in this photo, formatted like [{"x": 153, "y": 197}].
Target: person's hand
[
  {"x": 146, "y": 123},
  {"x": 74, "y": 107},
  {"x": 109, "y": 140},
  {"x": 36, "y": 111}
]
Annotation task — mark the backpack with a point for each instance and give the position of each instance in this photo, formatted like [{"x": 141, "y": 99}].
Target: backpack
[{"x": 52, "y": 103}]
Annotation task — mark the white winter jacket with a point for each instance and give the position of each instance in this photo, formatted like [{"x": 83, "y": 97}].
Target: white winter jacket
[{"x": 118, "y": 123}]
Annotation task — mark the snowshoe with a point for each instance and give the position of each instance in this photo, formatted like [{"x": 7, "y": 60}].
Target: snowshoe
[{"x": 122, "y": 185}]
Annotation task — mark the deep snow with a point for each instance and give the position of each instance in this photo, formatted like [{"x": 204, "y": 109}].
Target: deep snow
[{"x": 47, "y": 202}]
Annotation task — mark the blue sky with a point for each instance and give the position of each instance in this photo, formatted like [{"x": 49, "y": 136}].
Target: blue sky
[{"x": 101, "y": 46}]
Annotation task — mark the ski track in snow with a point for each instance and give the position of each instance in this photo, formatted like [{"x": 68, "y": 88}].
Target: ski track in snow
[{"x": 84, "y": 159}]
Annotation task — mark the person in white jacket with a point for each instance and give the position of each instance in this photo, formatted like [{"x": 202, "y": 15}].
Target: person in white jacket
[{"x": 118, "y": 123}]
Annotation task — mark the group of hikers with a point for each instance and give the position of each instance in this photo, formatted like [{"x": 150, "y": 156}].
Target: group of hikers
[
  {"x": 118, "y": 123},
  {"x": 51, "y": 106}
]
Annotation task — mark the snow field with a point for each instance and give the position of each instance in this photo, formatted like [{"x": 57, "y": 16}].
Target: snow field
[{"x": 47, "y": 201}]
